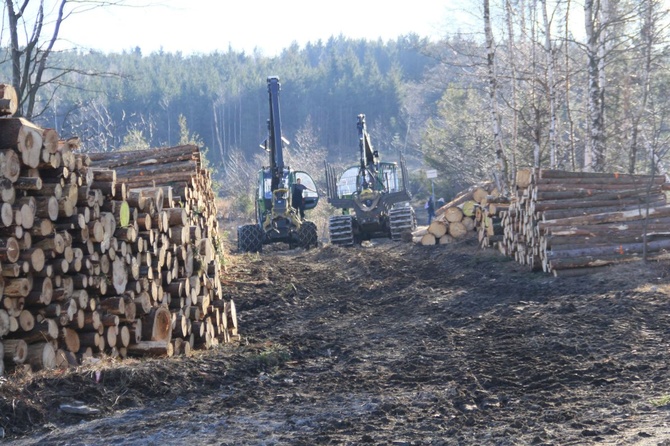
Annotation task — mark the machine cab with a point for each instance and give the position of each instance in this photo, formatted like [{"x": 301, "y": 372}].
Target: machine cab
[
  {"x": 386, "y": 180},
  {"x": 282, "y": 196},
  {"x": 310, "y": 195}
]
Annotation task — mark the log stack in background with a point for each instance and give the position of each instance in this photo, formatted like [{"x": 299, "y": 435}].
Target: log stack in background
[
  {"x": 572, "y": 222},
  {"x": 462, "y": 217},
  {"x": 113, "y": 253},
  {"x": 564, "y": 223}
]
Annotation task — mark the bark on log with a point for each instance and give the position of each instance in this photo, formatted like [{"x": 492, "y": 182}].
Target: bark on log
[
  {"x": 16, "y": 350},
  {"x": 593, "y": 203},
  {"x": 42, "y": 292},
  {"x": 151, "y": 348},
  {"x": 592, "y": 261},
  {"x": 595, "y": 194},
  {"x": 46, "y": 330},
  {"x": 18, "y": 287},
  {"x": 41, "y": 356},
  {"x": 611, "y": 250},
  {"x": 114, "y": 305},
  {"x": 4, "y": 322},
  {"x": 578, "y": 212},
  {"x": 123, "y": 336},
  {"x": 610, "y": 217},
  {"x": 609, "y": 177}
]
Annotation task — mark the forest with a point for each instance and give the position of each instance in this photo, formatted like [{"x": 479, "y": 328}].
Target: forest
[{"x": 534, "y": 88}]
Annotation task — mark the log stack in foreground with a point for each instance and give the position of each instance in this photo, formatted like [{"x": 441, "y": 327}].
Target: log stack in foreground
[{"x": 105, "y": 253}]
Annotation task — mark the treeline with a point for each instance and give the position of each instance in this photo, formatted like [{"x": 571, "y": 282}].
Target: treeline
[{"x": 119, "y": 99}]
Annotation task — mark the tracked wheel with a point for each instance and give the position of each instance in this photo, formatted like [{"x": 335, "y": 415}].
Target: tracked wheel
[
  {"x": 250, "y": 238},
  {"x": 401, "y": 220},
  {"x": 307, "y": 235},
  {"x": 341, "y": 230}
]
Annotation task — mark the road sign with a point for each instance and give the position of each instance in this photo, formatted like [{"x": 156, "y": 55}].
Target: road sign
[{"x": 431, "y": 173}]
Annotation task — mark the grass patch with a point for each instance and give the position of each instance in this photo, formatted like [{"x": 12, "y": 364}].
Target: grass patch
[{"x": 662, "y": 401}]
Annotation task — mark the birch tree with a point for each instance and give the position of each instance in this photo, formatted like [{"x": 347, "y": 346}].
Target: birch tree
[
  {"x": 513, "y": 80},
  {"x": 549, "y": 54},
  {"x": 502, "y": 174},
  {"x": 594, "y": 152},
  {"x": 571, "y": 153}
]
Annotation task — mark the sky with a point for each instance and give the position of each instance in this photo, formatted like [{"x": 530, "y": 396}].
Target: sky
[{"x": 205, "y": 26}]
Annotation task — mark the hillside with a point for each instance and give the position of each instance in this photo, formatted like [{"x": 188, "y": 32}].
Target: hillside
[{"x": 388, "y": 344}]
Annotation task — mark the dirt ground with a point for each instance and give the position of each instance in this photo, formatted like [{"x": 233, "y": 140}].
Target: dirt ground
[{"x": 388, "y": 344}]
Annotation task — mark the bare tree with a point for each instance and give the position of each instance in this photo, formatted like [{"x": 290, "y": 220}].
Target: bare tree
[
  {"x": 571, "y": 152},
  {"x": 31, "y": 44},
  {"x": 513, "y": 81},
  {"x": 653, "y": 36},
  {"x": 502, "y": 176},
  {"x": 549, "y": 53}
]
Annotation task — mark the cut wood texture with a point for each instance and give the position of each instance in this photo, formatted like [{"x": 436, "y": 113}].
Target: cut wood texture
[
  {"x": 456, "y": 219},
  {"x": 9, "y": 102},
  {"x": 24, "y": 137},
  {"x": 91, "y": 246}
]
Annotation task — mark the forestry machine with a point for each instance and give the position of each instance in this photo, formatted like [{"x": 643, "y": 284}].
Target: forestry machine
[
  {"x": 373, "y": 197},
  {"x": 277, "y": 219}
]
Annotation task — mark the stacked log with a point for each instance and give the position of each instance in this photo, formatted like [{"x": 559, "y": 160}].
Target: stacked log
[
  {"x": 571, "y": 222},
  {"x": 176, "y": 218},
  {"x": 458, "y": 219},
  {"x": 489, "y": 220},
  {"x": 94, "y": 262}
]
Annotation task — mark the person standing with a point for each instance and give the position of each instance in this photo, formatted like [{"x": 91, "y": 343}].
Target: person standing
[
  {"x": 297, "y": 200},
  {"x": 430, "y": 208}
]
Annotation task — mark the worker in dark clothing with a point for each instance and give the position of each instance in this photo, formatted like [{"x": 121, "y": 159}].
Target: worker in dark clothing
[
  {"x": 297, "y": 200},
  {"x": 430, "y": 208}
]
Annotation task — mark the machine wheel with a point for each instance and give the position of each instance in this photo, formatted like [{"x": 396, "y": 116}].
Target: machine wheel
[
  {"x": 341, "y": 230},
  {"x": 307, "y": 235},
  {"x": 250, "y": 238},
  {"x": 401, "y": 220}
]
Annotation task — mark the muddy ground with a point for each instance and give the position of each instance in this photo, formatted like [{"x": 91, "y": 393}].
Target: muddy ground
[{"x": 390, "y": 344}]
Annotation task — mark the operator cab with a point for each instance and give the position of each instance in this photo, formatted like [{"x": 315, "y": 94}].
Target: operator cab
[
  {"x": 282, "y": 196},
  {"x": 386, "y": 180},
  {"x": 311, "y": 197}
]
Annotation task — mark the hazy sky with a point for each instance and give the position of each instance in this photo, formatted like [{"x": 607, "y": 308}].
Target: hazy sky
[{"x": 203, "y": 26}]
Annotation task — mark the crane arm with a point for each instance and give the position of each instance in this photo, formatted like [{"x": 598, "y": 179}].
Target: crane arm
[{"x": 275, "y": 141}]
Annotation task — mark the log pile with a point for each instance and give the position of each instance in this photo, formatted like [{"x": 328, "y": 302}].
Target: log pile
[
  {"x": 460, "y": 218},
  {"x": 113, "y": 253},
  {"x": 568, "y": 223}
]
